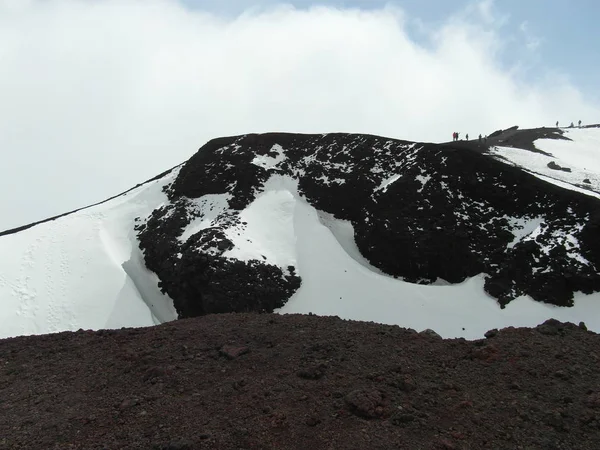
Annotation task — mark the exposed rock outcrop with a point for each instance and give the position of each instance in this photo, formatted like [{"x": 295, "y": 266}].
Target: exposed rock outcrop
[{"x": 420, "y": 212}]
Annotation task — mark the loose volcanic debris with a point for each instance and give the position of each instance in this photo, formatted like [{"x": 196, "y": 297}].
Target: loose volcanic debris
[{"x": 265, "y": 381}]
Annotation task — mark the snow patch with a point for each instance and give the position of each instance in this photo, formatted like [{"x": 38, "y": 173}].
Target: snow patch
[
  {"x": 423, "y": 180},
  {"x": 270, "y": 162},
  {"x": 524, "y": 229},
  {"x": 267, "y": 231},
  {"x": 385, "y": 184},
  {"x": 336, "y": 284},
  {"x": 537, "y": 165},
  {"x": 343, "y": 231},
  {"x": 206, "y": 209}
]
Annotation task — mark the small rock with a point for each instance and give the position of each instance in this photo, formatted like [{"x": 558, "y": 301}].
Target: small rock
[
  {"x": 405, "y": 383},
  {"x": 449, "y": 386},
  {"x": 550, "y": 327},
  {"x": 446, "y": 444},
  {"x": 523, "y": 415},
  {"x": 556, "y": 421},
  {"x": 593, "y": 400},
  {"x": 278, "y": 420},
  {"x": 554, "y": 166},
  {"x": 477, "y": 419},
  {"x": 128, "y": 403},
  {"x": 429, "y": 332},
  {"x": 153, "y": 373},
  {"x": 313, "y": 373},
  {"x": 548, "y": 331},
  {"x": 176, "y": 445},
  {"x": 402, "y": 418},
  {"x": 561, "y": 374},
  {"x": 232, "y": 352},
  {"x": 367, "y": 403},
  {"x": 491, "y": 333},
  {"x": 488, "y": 353},
  {"x": 312, "y": 421},
  {"x": 458, "y": 435}
]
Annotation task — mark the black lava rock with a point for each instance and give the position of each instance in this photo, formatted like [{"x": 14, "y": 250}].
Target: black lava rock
[{"x": 420, "y": 212}]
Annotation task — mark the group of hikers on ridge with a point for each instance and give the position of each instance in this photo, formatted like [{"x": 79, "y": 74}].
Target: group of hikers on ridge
[
  {"x": 570, "y": 126},
  {"x": 456, "y": 135}
]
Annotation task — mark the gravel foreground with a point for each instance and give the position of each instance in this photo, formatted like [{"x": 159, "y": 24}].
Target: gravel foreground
[{"x": 249, "y": 381}]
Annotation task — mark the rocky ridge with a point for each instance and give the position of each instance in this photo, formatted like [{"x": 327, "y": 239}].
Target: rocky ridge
[{"x": 420, "y": 212}]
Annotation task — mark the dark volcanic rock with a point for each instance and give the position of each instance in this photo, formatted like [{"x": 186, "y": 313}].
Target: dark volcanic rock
[
  {"x": 91, "y": 390},
  {"x": 420, "y": 212},
  {"x": 367, "y": 403},
  {"x": 554, "y": 166},
  {"x": 525, "y": 139}
]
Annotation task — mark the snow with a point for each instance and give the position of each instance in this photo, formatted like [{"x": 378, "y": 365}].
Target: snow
[
  {"x": 385, "y": 184},
  {"x": 269, "y": 233},
  {"x": 524, "y": 228},
  {"x": 84, "y": 270},
  {"x": 579, "y": 154},
  {"x": 343, "y": 231},
  {"x": 336, "y": 283},
  {"x": 208, "y": 207},
  {"x": 423, "y": 180},
  {"x": 269, "y": 162}
]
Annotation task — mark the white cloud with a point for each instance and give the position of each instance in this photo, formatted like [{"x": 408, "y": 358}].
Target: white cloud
[
  {"x": 486, "y": 9},
  {"x": 532, "y": 42},
  {"x": 97, "y": 96}
]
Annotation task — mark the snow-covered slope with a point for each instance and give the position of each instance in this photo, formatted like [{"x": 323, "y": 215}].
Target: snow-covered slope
[
  {"x": 83, "y": 270},
  {"x": 450, "y": 237},
  {"x": 572, "y": 163}
]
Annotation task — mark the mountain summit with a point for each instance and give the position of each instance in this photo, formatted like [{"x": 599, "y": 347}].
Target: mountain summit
[
  {"x": 417, "y": 212},
  {"x": 458, "y": 237}
]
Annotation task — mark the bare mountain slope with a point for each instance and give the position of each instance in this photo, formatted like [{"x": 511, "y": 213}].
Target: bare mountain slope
[{"x": 245, "y": 381}]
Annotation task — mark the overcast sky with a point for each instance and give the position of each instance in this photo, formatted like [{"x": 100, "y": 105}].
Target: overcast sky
[{"x": 98, "y": 95}]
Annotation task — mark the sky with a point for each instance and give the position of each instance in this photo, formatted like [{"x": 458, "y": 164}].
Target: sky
[{"x": 99, "y": 95}]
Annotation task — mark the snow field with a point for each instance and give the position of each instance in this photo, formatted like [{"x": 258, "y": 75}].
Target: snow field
[{"x": 83, "y": 270}]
